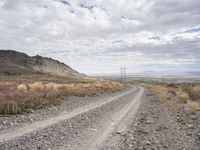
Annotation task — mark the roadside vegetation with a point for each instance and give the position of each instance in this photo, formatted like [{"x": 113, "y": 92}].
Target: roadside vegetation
[
  {"x": 26, "y": 97},
  {"x": 172, "y": 94}
]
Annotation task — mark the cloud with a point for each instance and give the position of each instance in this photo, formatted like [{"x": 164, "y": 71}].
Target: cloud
[
  {"x": 65, "y": 2},
  {"x": 154, "y": 38},
  {"x": 101, "y": 36},
  {"x": 193, "y": 30}
]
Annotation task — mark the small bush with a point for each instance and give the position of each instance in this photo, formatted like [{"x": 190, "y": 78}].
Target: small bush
[
  {"x": 193, "y": 106},
  {"x": 182, "y": 96},
  {"x": 53, "y": 86},
  {"x": 38, "y": 95},
  {"x": 9, "y": 108},
  {"x": 193, "y": 92},
  {"x": 49, "y": 86},
  {"x": 22, "y": 88},
  {"x": 37, "y": 86},
  {"x": 183, "y": 99}
]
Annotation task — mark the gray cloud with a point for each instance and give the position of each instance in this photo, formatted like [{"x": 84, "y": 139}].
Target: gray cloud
[{"x": 104, "y": 35}]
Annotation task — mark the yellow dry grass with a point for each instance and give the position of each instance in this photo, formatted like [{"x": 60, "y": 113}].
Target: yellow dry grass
[
  {"x": 192, "y": 106},
  {"x": 78, "y": 86},
  {"x": 186, "y": 95},
  {"x": 194, "y": 92},
  {"x": 22, "y": 88},
  {"x": 160, "y": 91},
  {"x": 53, "y": 86},
  {"x": 37, "y": 86},
  {"x": 68, "y": 86},
  {"x": 182, "y": 96},
  {"x": 24, "y": 97}
]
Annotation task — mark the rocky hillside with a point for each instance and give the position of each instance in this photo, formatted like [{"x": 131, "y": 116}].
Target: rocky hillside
[{"x": 16, "y": 63}]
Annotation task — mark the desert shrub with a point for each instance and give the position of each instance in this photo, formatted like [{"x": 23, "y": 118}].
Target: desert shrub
[
  {"x": 9, "y": 108},
  {"x": 187, "y": 94},
  {"x": 37, "y": 86},
  {"x": 87, "y": 85},
  {"x": 22, "y": 88},
  {"x": 162, "y": 92},
  {"x": 39, "y": 103},
  {"x": 192, "y": 106},
  {"x": 49, "y": 86},
  {"x": 98, "y": 85},
  {"x": 53, "y": 86},
  {"x": 38, "y": 95},
  {"x": 69, "y": 86},
  {"x": 193, "y": 92},
  {"x": 172, "y": 91},
  {"x": 184, "y": 98}
]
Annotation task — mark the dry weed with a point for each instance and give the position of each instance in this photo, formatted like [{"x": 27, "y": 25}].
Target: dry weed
[
  {"x": 22, "y": 88},
  {"x": 23, "y": 98},
  {"x": 37, "y": 86},
  {"x": 192, "y": 106}
]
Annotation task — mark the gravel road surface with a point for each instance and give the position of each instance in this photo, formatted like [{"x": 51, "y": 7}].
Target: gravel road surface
[{"x": 79, "y": 123}]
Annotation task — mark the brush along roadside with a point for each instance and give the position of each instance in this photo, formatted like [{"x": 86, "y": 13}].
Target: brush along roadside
[
  {"x": 16, "y": 99},
  {"x": 188, "y": 95}
]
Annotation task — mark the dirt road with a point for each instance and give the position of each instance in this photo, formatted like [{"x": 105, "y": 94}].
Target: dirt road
[{"x": 82, "y": 126}]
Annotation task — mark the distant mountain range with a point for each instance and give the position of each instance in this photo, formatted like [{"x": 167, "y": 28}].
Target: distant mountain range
[
  {"x": 172, "y": 73},
  {"x": 160, "y": 74},
  {"x": 17, "y": 63}
]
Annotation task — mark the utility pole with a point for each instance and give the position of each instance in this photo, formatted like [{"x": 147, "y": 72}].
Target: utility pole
[{"x": 123, "y": 74}]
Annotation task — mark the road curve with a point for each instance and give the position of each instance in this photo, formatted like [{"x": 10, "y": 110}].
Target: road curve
[{"x": 86, "y": 127}]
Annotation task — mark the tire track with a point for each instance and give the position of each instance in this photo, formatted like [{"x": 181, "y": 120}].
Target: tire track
[
  {"x": 118, "y": 122},
  {"x": 37, "y": 126}
]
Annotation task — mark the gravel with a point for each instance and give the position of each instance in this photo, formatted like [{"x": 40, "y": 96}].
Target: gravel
[
  {"x": 77, "y": 132},
  {"x": 134, "y": 120},
  {"x": 11, "y": 122},
  {"x": 157, "y": 127}
]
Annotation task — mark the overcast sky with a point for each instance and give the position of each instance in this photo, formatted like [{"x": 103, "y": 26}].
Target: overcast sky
[{"x": 100, "y": 36}]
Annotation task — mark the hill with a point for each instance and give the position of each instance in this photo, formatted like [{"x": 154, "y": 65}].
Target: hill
[{"x": 17, "y": 63}]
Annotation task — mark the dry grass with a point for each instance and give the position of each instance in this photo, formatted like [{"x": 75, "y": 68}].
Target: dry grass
[
  {"x": 172, "y": 94},
  {"x": 192, "y": 106},
  {"x": 20, "y": 98},
  {"x": 193, "y": 92},
  {"x": 9, "y": 107},
  {"x": 182, "y": 96},
  {"x": 22, "y": 88},
  {"x": 37, "y": 86},
  {"x": 162, "y": 92},
  {"x": 53, "y": 86}
]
